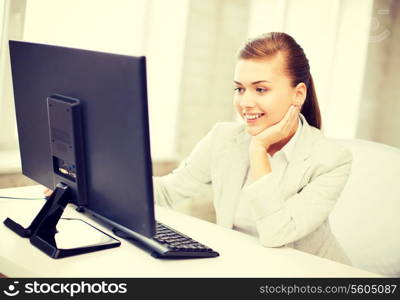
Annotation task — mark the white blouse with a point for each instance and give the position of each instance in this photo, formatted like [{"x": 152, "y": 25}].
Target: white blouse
[{"x": 244, "y": 220}]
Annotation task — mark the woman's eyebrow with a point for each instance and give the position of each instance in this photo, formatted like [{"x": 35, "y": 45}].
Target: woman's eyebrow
[{"x": 255, "y": 82}]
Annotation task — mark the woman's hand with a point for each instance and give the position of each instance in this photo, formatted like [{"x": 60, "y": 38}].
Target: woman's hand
[
  {"x": 277, "y": 132},
  {"x": 47, "y": 192}
]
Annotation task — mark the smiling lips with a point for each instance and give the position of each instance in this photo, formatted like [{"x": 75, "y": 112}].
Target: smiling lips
[{"x": 250, "y": 118}]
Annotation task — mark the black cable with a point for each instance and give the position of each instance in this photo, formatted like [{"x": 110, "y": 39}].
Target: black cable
[{"x": 3, "y": 197}]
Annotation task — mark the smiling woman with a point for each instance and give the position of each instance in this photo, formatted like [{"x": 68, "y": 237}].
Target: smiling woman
[{"x": 275, "y": 175}]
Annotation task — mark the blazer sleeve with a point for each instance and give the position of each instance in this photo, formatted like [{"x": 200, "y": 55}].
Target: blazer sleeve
[
  {"x": 192, "y": 178},
  {"x": 281, "y": 221}
]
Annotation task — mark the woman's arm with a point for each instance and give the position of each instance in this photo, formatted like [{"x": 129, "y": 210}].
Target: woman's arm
[
  {"x": 192, "y": 178},
  {"x": 259, "y": 162}
]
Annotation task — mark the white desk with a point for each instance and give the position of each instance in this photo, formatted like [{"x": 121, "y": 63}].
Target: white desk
[{"x": 240, "y": 255}]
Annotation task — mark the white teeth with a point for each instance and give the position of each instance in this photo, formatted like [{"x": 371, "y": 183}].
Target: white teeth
[{"x": 253, "y": 117}]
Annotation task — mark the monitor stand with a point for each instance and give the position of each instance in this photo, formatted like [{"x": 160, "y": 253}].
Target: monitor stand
[{"x": 43, "y": 234}]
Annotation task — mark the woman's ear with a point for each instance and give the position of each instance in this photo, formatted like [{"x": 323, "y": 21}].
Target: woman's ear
[{"x": 300, "y": 94}]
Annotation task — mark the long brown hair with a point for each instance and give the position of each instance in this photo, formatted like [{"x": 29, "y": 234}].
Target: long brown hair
[{"x": 297, "y": 67}]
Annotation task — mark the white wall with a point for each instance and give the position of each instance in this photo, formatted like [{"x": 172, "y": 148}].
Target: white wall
[
  {"x": 164, "y": 47},
  {"x": 379, "y": 110},
  {"x": 8, "y": 135},
  {"x": 91, "y": 24},
  {"x": 135, "y": 27},
  {"x": 215, "y": 30},
  {"x": 334, "y": 35}
]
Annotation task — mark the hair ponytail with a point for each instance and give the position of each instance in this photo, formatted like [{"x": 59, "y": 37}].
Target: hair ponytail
[{"x": 310, "y": 108}]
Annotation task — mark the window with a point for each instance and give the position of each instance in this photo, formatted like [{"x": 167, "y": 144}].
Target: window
[{"x": 140, "y": 27}]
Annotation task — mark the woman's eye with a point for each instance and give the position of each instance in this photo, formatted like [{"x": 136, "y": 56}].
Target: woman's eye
[
  {"x": 239, "y": 89},
  {"x": 261, "y": 90}
]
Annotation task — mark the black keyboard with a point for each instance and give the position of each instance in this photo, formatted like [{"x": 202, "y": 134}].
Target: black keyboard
[
  {"x": 168, "y": 243},
  {"x": 177, "y": 244}
]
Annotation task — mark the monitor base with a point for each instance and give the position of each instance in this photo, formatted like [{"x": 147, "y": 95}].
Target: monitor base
[{"x": 42, "y": 231}]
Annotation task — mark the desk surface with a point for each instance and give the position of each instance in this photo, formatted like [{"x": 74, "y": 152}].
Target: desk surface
[{"x": 240, "y": 255}]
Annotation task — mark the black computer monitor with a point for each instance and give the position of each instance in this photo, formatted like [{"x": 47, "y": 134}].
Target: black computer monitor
[{"x": 111, "y": 145}]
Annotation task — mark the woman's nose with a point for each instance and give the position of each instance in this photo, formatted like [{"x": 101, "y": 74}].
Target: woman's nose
[{"x": 246, "y": 100}]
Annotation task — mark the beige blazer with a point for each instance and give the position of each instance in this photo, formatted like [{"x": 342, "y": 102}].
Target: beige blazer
[{"x": 292, "y": 210}]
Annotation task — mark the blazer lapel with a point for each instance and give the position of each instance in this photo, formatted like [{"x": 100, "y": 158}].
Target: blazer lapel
[
  {"x": 295, "y": 177},
  {"x": 234, "y": 167}
]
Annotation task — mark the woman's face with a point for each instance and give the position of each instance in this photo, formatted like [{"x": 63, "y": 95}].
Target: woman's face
[{"x": 263, "y": 92}]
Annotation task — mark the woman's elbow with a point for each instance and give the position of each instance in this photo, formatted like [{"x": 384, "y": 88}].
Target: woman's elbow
[
  {"x": 271, "y": 240},
  {"x": 278, "y": 236}
]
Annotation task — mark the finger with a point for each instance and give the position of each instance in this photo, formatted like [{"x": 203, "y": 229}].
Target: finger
[
  {"x": 286, "y": 118},
  {"x": 294, "y": 118},
  {"x": 48, "y": 192},
  {"x": 290, "y": 117},
  {"x": 291, "y": 124},
  {"x": 295, "y": 115}
]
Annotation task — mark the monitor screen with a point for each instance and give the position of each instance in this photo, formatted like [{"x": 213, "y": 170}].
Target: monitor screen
[{"x": 111, "y": 90}]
